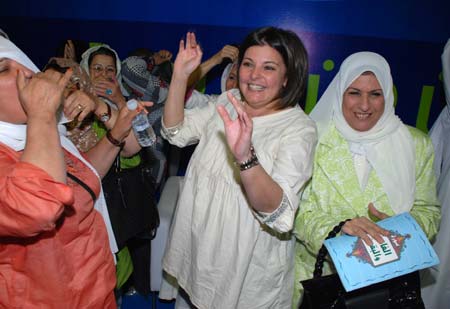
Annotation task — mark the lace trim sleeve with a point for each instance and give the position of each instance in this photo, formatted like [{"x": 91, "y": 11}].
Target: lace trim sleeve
[{"x": 281, "y": 219}]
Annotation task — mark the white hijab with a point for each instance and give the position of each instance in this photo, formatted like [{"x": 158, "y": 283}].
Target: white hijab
[
  {"x": 85, "y": 64},
  {"x": 14, "y": 135},
  {"x": 4, "y": 34},
  {"x": 225, "y": 74},
  {"x": 440, "y": 131},
  {"x": 388, "y": 146}
]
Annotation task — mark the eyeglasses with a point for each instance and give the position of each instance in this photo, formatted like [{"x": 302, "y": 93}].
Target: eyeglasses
[{"x": 98, "y": 68}]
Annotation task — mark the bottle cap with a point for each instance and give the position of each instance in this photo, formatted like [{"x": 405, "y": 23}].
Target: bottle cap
[{"x": 132, "y": 104}]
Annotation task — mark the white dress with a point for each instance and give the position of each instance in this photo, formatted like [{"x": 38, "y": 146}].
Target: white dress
[{"x": 223, "y": 253}]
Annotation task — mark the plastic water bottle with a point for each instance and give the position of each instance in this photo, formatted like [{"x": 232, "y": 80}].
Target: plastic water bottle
[{"x": 141, "y": 126}]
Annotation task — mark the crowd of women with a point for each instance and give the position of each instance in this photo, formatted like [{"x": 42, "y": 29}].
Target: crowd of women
[{"x": 264, "y": 186}]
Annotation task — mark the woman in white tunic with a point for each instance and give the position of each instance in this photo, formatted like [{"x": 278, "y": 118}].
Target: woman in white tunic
[{"x": 230, "y": 245}]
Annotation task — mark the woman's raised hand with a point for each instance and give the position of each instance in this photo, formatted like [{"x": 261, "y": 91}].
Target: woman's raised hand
[
  {"x": 69, "y": 51},
  {"x": 239, "y": 131},
  {"x": 162, "y": 56},
  {"x": 189, "y": 56},
  {"x": 79, "y": 105},
  {"x": 42, "y": 94},
  {"x": 229, "y": 51},
  {"x": 110, "y": 89}
]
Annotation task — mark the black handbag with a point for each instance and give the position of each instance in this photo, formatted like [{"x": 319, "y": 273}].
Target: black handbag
[
  {"x": 130, "y": 198},
  {"x": 322, "y": 292}
]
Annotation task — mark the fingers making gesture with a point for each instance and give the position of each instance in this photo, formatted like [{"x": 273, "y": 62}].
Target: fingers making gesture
[
  {"x": 187, "y": 60},
  {"x": 42, "y": 94},
  {"x": 189, "y": 56},
  {"x": 110, "y": 89},
  {"x": 238, "y": 131}
]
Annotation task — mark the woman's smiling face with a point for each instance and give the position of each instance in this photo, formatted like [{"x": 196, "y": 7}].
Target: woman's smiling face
[
  {"x": 262, "y": 75},
  {"x": 363, "y": 102},
  {"x": 102, "y": 67}
]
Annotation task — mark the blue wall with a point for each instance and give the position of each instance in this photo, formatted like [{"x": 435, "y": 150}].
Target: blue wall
[{"x": 410, "y": 34}]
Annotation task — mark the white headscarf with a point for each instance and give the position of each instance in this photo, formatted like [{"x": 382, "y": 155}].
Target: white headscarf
[
  {"x": 85, "y": 64},
  {"x": 14, "y": 135},
  {"x": 388, "y": 146},
  {"x": 4, "y": 34},
  {"x": 440, "y": 131},
  {"x": 225, "y": 74}
]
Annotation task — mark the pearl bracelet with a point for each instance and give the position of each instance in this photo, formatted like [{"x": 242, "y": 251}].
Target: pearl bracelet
[{"x": 253, "y": 161}]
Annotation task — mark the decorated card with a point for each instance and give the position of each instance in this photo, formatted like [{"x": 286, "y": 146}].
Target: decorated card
[{"x": 405, "y": 250}]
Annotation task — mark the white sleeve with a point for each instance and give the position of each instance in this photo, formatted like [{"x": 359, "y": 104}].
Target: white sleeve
[
  {"x": 199, "y": 100},
  {"x": 190, "y": 130},
  {"x": 291, "y": 171}
]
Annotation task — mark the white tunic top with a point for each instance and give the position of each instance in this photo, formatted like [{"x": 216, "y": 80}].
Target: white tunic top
[{"x": 221, "y": 252}]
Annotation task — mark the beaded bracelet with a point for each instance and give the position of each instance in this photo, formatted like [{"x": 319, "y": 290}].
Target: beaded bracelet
[
  {"x": 253, "y": 161},
  {"x": 114, "y": 141}
]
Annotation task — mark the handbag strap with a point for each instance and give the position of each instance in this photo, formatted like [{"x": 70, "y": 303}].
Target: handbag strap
[
  {"x": 116, "y": 164},
  {"x": 318, "y": 267},
  {"x": 83, "y": 185}
]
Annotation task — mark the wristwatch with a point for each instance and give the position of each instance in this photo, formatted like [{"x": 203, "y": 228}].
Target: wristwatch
[{"x": 105, "y": 116}]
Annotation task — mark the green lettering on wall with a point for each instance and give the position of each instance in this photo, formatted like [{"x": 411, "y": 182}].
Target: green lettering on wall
[
  {"x": 312, "y": 92},
  {"x": 424, "y": 108},
  {"x": 313, "y": 86},
  {"x": 328, "y": 65},
  {"x": 395, "y": 95},
  {"x": 92, "y": 44}
]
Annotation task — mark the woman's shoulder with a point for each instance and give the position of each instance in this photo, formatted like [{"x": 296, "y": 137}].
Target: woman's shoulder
[
  {"x": 199, "y": 100},
  {"x": 290, "y": 122},
  {"x": 418, "y": 135},
  {"x": 421, "y": 140},
  {"x": 329, "y": 135}
]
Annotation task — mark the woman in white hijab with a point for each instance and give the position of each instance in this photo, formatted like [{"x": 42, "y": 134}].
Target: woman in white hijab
[
  {"x": 436, "y": 282},
  {"x": 368, "y": 164},
  {"x": 54, "y": 226},
  {"x": 102, "y": 63}
]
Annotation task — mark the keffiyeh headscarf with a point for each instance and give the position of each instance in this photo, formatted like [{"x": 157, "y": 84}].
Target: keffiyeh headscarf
[
  {"x": 14, "y": 135},
  {"x": 388, "y": 146},
  {"x": 139, "y": 79}
]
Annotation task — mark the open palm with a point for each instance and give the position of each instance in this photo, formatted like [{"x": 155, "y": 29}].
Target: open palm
[
  {"x": 189, "y": 55},
  {"x": 238, "y": 131}
]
